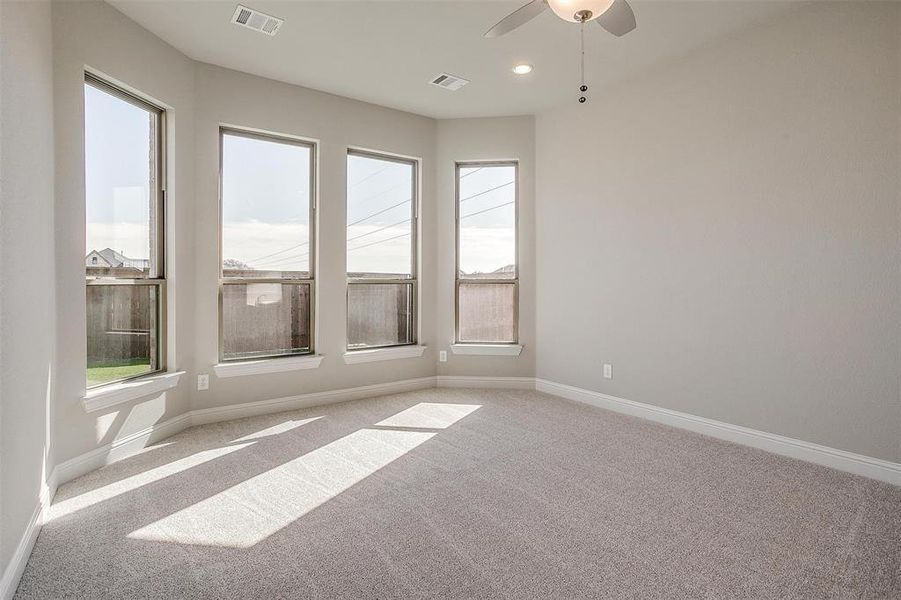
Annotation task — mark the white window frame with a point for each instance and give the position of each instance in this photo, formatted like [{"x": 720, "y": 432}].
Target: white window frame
[
  {"x": 361, "y": 354},
  {"x": 261, "y": 363},
  {"x": 157, "y": 276},
  {"x": 486, "y": 347}
]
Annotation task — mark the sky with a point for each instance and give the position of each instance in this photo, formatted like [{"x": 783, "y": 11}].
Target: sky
[
  {"x": 266, "y": 203},
  {"x": 487, "y": 218},
  {"x": 379, "y": 216},
  {"x": 266, "y": 200},
  {"x": 117, "y": 175}
]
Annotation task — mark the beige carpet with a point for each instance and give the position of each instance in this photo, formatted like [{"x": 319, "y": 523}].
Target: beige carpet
[{"x": 464, "y": 494}]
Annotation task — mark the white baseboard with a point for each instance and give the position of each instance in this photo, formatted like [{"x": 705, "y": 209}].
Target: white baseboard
[
  {"x": 263, "y": 407},
  {"x": 133, "y": 443},
  {"x": 823, "y": 455},
  {"x": 13, "y": 573},
  {"x": 849, "y": 462},
  {"x": 124, "y": 447},
  {"x": 466, "y": 381}
]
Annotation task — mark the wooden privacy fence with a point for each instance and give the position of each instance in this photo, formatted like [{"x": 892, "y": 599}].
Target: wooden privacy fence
[{"x": 120, "y": 323}]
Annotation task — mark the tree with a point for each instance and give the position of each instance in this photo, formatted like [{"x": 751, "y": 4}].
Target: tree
[{"x": 235, "y": 265}]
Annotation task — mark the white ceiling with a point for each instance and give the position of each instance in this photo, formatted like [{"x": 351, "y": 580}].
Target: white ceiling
[{"x": 385, "y": 52}]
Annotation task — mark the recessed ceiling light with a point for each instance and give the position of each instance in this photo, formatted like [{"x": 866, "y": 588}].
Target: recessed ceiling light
[{"x": 522, "y": 69}]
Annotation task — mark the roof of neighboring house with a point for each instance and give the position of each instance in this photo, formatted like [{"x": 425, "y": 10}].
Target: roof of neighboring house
[
  {"x": 96, "y": 255},
  {"x": 116, "y": 259}
]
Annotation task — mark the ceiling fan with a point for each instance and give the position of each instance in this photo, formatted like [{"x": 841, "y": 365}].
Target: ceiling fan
[{"x": 615, "y": 16}]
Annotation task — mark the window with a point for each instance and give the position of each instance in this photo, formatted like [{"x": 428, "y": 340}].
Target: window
[
  {"x": 382, "y": 202},
  {"x": 487, "y": 285},
  {"x": 267, "y": 245},
  {"x": 124, "y": 249}
]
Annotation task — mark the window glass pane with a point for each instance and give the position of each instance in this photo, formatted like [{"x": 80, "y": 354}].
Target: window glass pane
[
  {"x": 379, "y": 314},
  {"x": 379, "y": 217},
  {"x": 266, "y": 200},
  {"x": 121, "y": 328},
  {"x": 487, "y": 213},
  {"x": 120, "y": 186},
  {"x": 265, "y": 319},
  {"x": 487, "y": 312}
]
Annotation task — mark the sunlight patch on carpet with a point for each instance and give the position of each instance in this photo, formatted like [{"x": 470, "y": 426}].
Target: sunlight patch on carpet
[
  {"x": 429, "y": 415},
  {"x": 251, "y": 511},
  {"x": 276, "y": 429},
  {"x": 76, "y": 503}
]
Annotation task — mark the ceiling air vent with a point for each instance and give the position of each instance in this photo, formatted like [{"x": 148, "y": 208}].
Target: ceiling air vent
[
  {"x": 449, "y": 82},
  {"x": 254, "y": 19}
]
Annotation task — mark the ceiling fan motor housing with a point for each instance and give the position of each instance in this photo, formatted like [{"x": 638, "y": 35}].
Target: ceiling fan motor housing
[{"x": 579, "y": 11}]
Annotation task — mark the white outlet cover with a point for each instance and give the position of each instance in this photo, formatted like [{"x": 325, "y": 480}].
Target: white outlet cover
[
  {"x": 608, "y": 371},
  {"x": 442, "y": 356},
  {"x": 203, "y": 382}
]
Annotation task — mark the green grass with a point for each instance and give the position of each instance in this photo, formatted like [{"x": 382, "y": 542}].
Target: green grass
[{"x": 101, "y": 374}]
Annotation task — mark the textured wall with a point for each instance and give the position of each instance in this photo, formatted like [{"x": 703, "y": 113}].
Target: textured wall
[
  {"x": 725, "y": 231},
  {"x": 26, "y": 264}
]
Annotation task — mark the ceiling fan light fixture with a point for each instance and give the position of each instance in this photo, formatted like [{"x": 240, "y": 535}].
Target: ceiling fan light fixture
[
  {"x": 575, "y": 11},
  {"x": 522, "y": 69}
]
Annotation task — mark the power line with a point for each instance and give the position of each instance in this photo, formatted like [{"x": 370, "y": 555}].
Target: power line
[
  {"x": 471, "y": 172},
  {"x": 284, "y": 259},
  {"x": 275, "y": 265},
  {"x": 378, "y": 242},
  {"x": 357, "y": 222},
  {"x": 370, "y": 176},
  {"x": 356, "y": 237},
  {"x": 485, "y": 192},
  {"x": 487, "y": 209},
  {"x": 383, "y": 192},
  {"x": 279, "y": 252}
]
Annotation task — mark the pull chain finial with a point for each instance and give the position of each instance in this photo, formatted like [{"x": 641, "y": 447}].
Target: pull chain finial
[{"x": 582, "y": 88}]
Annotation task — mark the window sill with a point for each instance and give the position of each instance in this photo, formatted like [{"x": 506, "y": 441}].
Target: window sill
[
  {"x": 378, "y": 354},
  {"x": 117, "y": 393},
  {"x": 268, "y": 365},
  {"x": 487, "y": 349}
]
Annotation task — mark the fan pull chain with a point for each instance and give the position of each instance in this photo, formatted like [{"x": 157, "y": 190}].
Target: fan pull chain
[{"x": 582, "y": 88}]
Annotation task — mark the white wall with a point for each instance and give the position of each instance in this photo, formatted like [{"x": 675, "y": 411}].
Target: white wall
[
  {"x": 725, "y": 231},
  {"x": 26, "y": 269},
  {"x": 486, "y": 139}
]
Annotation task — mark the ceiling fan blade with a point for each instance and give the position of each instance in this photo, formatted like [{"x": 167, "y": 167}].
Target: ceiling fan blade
[
  {"x": 618, "y": 19},
  {"x": 519, "y": 17}
]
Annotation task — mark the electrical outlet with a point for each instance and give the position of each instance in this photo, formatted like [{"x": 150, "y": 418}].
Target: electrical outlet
[
  {"x": 608, "y": 371},
  {"x": 203, "y": 382},
  {"x": 442, "y": 356}
]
